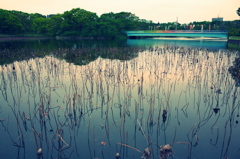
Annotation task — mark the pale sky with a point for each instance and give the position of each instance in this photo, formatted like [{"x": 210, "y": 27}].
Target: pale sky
[{"x": 156, "y": 10}]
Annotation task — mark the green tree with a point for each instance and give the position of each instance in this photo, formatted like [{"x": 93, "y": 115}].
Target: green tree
[
  {"x": 40, "y": 25},
  {"x": 76, "y": 21},
  {"x": 32, "y": 18},
  {"x": 143, "y": 24},
  {"x": 201, "y": 25},
  {"x": 107, "y": 17},
  {"x": 128, "y": 20},
  {"x": 24, "y": 19},
  {"x": 127, "y": 15},
  {"x": 234, "y": 28},
  {"x": 105, "y": 29},
  {"x": 54, "y": 25},
  {"x": 111, "y": 19},
  {"x": 10, "y": 23},
  {"x": 238, "y": 11}
]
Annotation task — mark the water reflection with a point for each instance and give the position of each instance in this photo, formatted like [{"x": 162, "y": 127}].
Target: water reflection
[
  {"x": 235, "y": 71},
  {"x": 166, "y": 101},
  {"x": 184, "y": 42},
  {"x": 82, "y": 52},
  {"x": 79, "y": 52}
]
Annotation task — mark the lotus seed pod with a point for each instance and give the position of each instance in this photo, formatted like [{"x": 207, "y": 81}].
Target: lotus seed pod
[
  {"x": 147, "y": 152},
  {"x": 117, "y": 155},
  {"x": 39, "y": 152}
]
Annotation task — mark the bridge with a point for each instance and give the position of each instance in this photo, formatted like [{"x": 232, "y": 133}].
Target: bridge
[{"x": 177, "y": 33}]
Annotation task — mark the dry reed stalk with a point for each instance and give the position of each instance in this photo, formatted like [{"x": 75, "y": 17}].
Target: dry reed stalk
[
  {"x": 107, "y": 132},
  {"x": 66, "y": 144},
  {"x": 94, "y": 142},
  {"x": 89, "y": 147},
  {"x": 34, "y": 133},
  {"x": 130, "y": 147},
  {"x": 142, "y": 131},
  {"x": 19, "y": 129}
]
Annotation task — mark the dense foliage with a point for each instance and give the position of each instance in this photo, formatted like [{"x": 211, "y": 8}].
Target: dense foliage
[
  {"x": 76, "y": 22},
  {"x": 82, "y": 23}
]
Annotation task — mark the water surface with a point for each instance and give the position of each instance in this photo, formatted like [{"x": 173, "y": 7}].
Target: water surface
[{"x": 93, "y": 99}]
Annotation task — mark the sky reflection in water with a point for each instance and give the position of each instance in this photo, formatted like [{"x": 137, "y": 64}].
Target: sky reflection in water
[{"x": 166, "y": 94}]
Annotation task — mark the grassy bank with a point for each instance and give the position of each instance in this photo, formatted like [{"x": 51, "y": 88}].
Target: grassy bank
[{"x": 234, "y": 38}]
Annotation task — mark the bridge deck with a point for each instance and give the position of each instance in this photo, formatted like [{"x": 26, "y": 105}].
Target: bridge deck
[{"x": 177, "y": 33}]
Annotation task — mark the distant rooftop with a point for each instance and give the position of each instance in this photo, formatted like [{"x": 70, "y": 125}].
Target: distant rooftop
[{"x": 217, "y": 19}]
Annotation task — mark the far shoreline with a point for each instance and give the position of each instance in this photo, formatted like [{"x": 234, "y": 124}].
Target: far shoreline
[
  {"x": 232, "y": 39},
  {"x": 36, "y": 37}
]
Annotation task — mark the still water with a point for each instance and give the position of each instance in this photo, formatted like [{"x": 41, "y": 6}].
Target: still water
[{"x": 140, "y": 98}]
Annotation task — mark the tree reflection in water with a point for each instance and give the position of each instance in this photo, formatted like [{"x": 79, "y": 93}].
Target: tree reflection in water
[
  {"x": 157, "y": 102},
  {"x": 235, "y": 71}
]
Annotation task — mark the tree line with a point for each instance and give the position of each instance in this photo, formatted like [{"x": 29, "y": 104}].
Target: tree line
[
  {"x": 83, "y": 23},
  {"x": 76, "y": 22}
]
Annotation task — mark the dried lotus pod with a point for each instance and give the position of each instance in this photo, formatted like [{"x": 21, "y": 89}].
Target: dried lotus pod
[
  {"x": 146, "y": 154},
  {"x": 39, "y": 152},
  {"x": 117, "y": 155},
  {"x": 165, "y": 151}
]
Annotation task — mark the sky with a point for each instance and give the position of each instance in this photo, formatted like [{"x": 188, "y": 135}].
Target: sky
[{"x": 161, "y": 11}]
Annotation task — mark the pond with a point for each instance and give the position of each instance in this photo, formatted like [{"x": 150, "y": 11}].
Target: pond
[{"x": 140, "y": 98}]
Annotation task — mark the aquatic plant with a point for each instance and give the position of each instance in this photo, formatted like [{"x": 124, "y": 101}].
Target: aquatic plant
[{"x": 165, "y": 95}]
